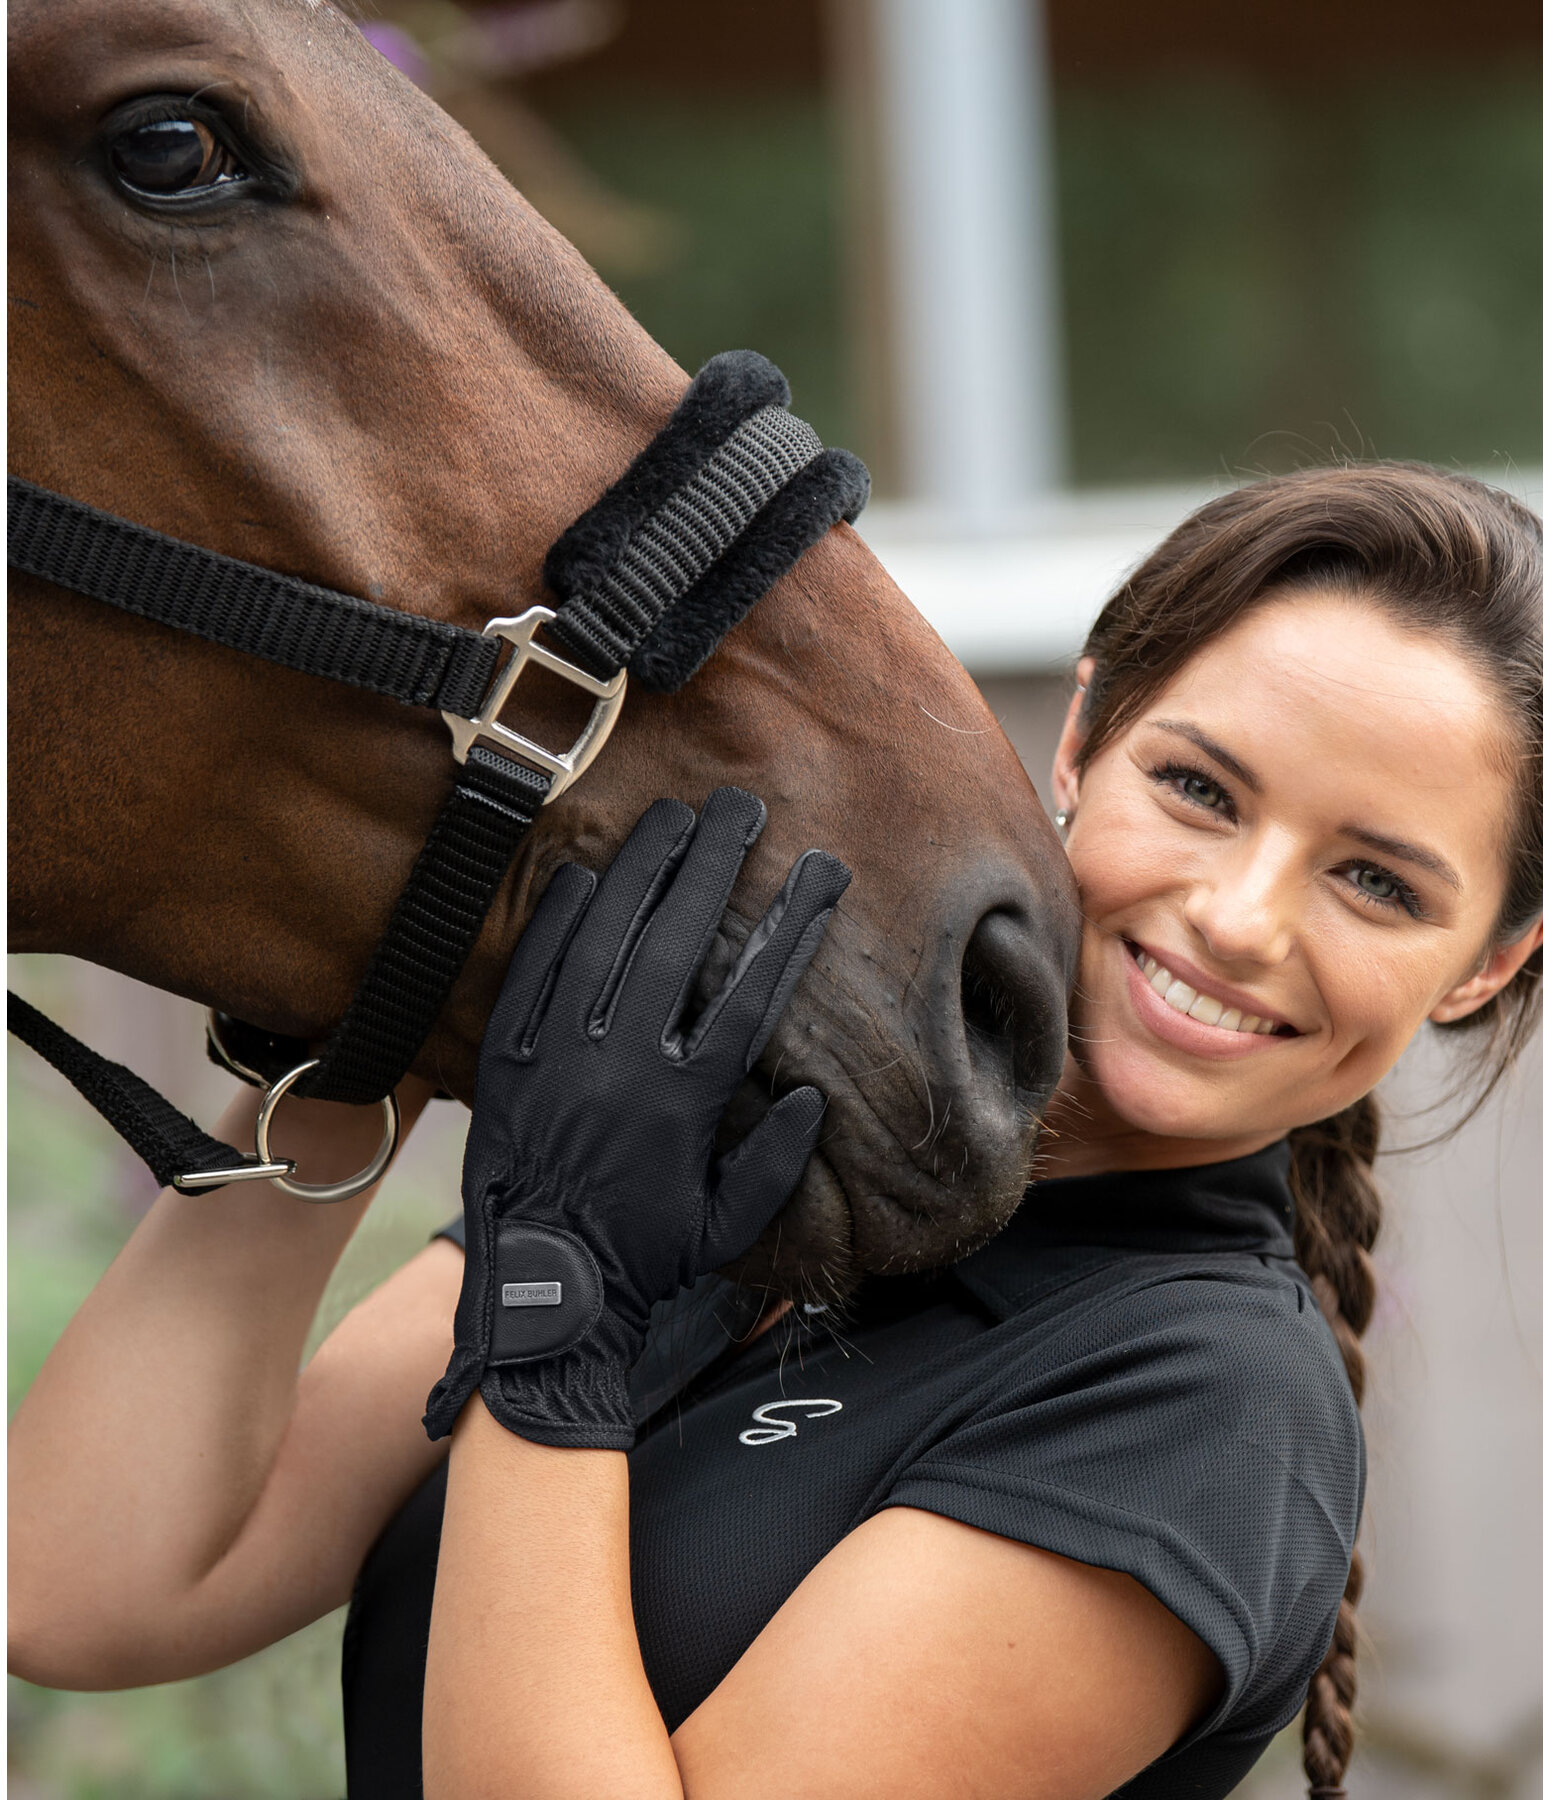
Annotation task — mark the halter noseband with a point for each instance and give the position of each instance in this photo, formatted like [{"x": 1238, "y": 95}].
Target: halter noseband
[{"x": 649, "y": 579}]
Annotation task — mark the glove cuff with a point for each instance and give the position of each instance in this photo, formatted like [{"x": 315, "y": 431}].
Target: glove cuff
[{"x": 580, "y": 1400}]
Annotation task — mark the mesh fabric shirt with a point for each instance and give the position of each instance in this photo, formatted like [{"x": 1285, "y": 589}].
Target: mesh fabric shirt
[{"x": 1134, "y": 1374}]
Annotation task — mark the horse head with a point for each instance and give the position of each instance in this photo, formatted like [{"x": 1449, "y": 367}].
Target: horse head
[{"x": 267, "y": 297}]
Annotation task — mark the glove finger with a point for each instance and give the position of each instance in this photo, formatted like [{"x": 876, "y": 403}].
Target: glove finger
[
  {"x": 627, "y": 892},
  {"x": 741, "y": 1017},
  {"x": 686, "y": 918},
  {"x": 757, "y": 1178},
  {"x": 535, "y": 963}
]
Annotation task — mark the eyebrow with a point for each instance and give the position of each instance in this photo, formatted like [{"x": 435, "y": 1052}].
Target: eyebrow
[
  {"x": 1416, "y": 854},
  {"x": 1212, "y": 749}
]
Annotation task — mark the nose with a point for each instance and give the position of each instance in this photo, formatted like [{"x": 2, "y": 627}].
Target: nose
[
  {"x": 991, "y": 1022},
  {"x": 1242, "y": 906}
]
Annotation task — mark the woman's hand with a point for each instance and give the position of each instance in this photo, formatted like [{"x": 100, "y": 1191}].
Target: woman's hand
[{"x": 588, "y": 1186}]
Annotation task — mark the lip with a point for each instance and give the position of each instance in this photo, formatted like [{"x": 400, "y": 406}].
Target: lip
[
  {"x": 1203, "y": 983},
  {"x": 1183, "y": 1032}
]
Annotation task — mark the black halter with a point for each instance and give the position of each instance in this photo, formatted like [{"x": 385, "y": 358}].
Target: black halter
[{"x": 648, "y": 581}]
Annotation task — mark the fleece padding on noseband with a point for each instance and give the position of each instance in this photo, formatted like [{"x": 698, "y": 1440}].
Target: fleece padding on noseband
[{"x": 718, "y": 506}]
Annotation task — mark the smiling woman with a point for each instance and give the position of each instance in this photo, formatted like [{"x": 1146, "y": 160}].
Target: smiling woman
[{"x": 1301, "y": 779}]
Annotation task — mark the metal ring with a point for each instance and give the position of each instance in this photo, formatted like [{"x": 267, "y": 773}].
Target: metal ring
[{"x": 323, "y": 1193}]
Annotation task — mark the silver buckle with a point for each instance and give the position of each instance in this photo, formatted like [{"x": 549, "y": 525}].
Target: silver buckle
[{"x": 518, "y": 632}]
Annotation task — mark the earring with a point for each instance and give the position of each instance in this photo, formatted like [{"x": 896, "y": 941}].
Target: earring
[{"x": 1063, "y": 821}]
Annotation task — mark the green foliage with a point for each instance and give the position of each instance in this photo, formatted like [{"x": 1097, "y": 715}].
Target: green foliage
[
  {"x": 265, "y": 1729},
  {"x": 751, "y": 189}
]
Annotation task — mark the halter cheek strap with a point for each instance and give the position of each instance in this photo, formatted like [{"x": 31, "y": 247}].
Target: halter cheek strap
[{"x": 649, "y": 580}]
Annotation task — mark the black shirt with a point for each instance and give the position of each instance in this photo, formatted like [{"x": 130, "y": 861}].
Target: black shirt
[{"x": 1135, "y": 1374}]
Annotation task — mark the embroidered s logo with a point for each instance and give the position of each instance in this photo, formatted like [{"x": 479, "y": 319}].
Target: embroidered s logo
[{"x": 774, "y": 1428}]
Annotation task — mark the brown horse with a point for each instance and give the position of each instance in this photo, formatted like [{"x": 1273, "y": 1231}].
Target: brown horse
[{"x": 345, "y": 348}]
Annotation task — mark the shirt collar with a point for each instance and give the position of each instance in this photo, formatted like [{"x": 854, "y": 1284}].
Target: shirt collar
[{"x": 1244, "y": 1205}]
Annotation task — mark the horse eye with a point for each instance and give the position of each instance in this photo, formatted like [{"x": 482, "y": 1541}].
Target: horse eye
[{"x": 172, "y": 156}]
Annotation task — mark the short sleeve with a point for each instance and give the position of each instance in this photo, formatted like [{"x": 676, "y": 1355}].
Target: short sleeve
[
  {"x": 454, "y": 1231},
  {"x": 1195, "y": 1433}
]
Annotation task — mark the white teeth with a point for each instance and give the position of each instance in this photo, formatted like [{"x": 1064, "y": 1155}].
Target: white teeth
[
  {"x": 1180, "y": 996},
  {"x": 1183, "y": 998}
]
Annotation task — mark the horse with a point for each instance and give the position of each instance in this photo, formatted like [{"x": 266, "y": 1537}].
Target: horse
[{"x": 341, "y": 345}]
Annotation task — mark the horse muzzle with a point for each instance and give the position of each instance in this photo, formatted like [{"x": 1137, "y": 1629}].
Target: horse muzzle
[{"x": 938, "y": 1057}]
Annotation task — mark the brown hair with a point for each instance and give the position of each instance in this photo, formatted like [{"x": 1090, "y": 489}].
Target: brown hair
[{"x": 1440, "y": 553}]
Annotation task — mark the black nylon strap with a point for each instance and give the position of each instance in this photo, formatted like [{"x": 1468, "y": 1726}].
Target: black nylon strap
[
  {"x": 419, "y": 661},
  {"x": 169, "y": 1141},
  {"x": 431, "y": 931}
]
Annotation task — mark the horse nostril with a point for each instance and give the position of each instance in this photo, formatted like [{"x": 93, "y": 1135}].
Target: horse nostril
[
  {"x": 987, "y": 1006},
  {"x": 1014, "y": 1024}
]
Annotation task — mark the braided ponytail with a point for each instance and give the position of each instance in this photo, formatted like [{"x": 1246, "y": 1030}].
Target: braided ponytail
[{"x": 1338, "y": 1214}]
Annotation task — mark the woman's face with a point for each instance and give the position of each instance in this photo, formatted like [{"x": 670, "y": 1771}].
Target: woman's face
[{"x": 1292, "y": 859}]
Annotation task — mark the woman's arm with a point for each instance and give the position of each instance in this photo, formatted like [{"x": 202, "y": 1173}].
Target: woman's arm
[
  {"x": 921, "y": 1657},
  {"x": 177, "y": 1498},
  {"x": 533, "y": 1680}
]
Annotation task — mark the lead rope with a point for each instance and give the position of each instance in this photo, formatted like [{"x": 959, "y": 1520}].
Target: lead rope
[
  {"x": 718, "y": 506},
  {"x": 167, "y": 1141}
]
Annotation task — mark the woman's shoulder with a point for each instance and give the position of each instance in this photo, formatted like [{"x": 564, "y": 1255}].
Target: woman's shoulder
[
  {"x": 1149, "y": 1366},
  {"x": 1170, "y": 1312},
  {"x": 1173, "y": 1408}
]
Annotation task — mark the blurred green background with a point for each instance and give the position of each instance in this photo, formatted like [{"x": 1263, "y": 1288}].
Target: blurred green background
[{"x": 1253, "y": 278}]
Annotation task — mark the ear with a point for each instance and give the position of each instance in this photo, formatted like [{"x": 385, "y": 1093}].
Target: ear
[
  {"x": 1489, "y": 979},
  {"x": 1064, "y": 780}
]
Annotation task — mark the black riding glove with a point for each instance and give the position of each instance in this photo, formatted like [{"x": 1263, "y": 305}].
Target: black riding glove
[{"x": 588, "y": 1186}]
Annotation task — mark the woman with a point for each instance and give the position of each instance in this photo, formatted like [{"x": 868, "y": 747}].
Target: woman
[{"x": 1072, "y": 1517}]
